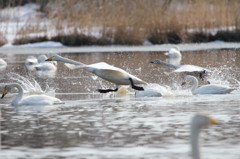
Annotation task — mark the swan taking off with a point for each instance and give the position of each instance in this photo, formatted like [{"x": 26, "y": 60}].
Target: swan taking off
[
  {"x": 105, "y": 71},
  {"x": 187, "y": 69},
  {"x": 198, "y": 122},
  {"x": 29, "y": 100},
  {"x": 207, "y": 89}
]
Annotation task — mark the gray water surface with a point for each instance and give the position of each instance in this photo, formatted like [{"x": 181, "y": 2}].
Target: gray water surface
[{"x": 94, "y": 125}]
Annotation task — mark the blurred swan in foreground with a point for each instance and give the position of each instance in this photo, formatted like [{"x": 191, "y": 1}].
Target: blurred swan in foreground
[
  {"x": 187, "y": 69},
  {"x": 207, "y": 89},
  {"x": 3, "y": 64},
  {"x": 105, "y": 71},
  {"x": 29, "y": 100},
  {"x": 198, "y": 122}
]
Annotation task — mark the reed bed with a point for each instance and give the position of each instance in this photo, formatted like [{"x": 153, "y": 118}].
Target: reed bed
[{"x": 134, "y": 21}]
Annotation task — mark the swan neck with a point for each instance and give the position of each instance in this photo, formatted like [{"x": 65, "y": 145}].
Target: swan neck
[
  {"x": 195, "y": 84},
  {"x": 69, "y": 61},
  {"x": 194, "y": 142},
  {"x": 19, "y": 96}
]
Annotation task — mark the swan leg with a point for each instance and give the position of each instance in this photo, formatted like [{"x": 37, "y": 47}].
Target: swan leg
[
  {"x": 135, "y": 87},
  {"x": 107, "y": 90}
]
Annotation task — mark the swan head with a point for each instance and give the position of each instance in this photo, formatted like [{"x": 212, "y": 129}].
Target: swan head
[
  {"x": 6, "y": 89},
  {"x": 203, "y": 120},
  {"x": 54, "y": 58}
]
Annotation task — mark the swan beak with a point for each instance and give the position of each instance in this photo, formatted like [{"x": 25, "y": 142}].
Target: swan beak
[
  {"x": 4, "y": 93},
  {"x": 213, "y": 121},
  {"x": 183, "y": 83},
  {"x": 50, "y": 58}
]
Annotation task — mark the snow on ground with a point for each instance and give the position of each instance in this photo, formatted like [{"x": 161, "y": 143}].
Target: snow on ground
[
  {"x": 44, "y": 44},
  {"x": 15, "y": 20}
]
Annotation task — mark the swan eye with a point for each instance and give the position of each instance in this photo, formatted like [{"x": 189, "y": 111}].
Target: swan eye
[{"x": 213, "y": 121}]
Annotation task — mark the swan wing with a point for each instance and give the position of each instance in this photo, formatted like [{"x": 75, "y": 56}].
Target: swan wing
[{"x": 190, "y": 68}]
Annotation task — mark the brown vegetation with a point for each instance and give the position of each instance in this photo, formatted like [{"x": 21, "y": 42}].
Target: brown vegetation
[{"x": 134, "y": 21}]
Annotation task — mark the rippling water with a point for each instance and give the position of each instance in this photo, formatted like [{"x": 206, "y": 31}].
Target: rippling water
[{"x": 93, "y": 125}]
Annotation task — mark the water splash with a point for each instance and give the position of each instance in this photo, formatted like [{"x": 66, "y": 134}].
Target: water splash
[
  {"x": 224, "y": 75},
  {"x": 30, "y": 85}
]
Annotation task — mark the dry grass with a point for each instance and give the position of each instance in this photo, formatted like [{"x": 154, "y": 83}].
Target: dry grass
[{"x": 134, "y": 21}]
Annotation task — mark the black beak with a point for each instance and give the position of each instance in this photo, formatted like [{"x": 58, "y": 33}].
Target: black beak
[
  {"x": 2, "y": 96},
  {"x": 183, "y": 83}
]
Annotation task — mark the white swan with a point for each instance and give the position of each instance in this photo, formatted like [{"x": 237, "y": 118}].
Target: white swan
[
  {"x": 106, "y": 72},
  {"x": 29, "y": 100},
  {"x": 198, "y": 121},
  {"x": 154, "y": 90},
  {"x": 173, "y": 53},
  {"x": 30, "y": 63},
  {"x": 3, "y": 64},
  {"x": 187, "y": 69},
  {"x": 207, "y": 89},
  {"x": 43, "y": 65}
]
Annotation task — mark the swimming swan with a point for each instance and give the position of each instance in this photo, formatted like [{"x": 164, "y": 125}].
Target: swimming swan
[
  {"x": 30, "y": 63},
  {"x": 173, "y": 53},
  {"x": 187, "y": 69},
  {"x": 198, "y": 122},
  {"x": 154, "y": 90},
  {"x": 106, "y": 72},
  {"x": 207, "y": 89},
  {"x": 29, "y": 100},
  {"x": 43, "y": 65}
]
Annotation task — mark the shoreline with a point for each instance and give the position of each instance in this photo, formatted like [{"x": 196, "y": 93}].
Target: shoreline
[{"x": 119, "y": 48}]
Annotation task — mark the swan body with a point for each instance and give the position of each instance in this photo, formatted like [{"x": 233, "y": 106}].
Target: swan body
[
  {"x": 107, "y": 72},
  {"x": 198, "y": 122},
  {"x": 43, "y": 65},
  {"x": 3, "y": 64},
  {"x": 148, "y": 93},
  {"x": 187, "y": 69},
  {"x": 181, "y": 68},
  {"x": 154, "y": 90},
  {"x": 29, "y": 100},
  {"x": 30, "y": 63},
  {"x": 207, "y": 89},
  {"x": 173, "y": 53}
]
